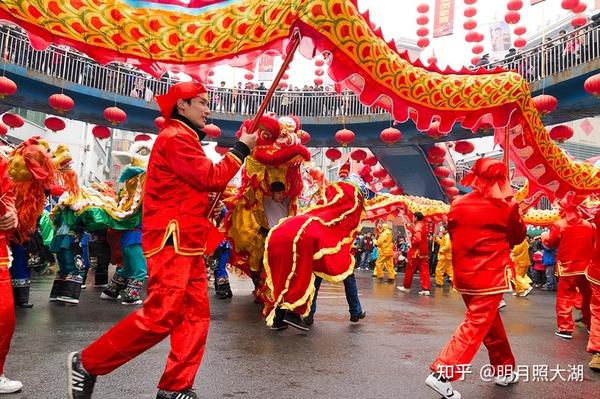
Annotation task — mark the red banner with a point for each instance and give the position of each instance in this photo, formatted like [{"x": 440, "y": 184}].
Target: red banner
[{"x": 443, "y": 20}]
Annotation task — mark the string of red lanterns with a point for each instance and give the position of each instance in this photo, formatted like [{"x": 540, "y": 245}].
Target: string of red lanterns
[
  {"x": 512, "y": 17},
  {"x": 472, "y": 36},
  {"x": 422, "y": 22}
]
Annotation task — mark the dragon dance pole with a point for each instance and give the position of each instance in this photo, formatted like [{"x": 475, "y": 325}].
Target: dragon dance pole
[{"x": 293, "y": 45}]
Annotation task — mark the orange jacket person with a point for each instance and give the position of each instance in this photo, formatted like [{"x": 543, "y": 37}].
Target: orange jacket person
[
  {"x": 483, "y": 226},
  {"x": 175, "y": 235}
]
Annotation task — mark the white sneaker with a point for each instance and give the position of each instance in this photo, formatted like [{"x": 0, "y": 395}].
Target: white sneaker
[
  {"x": 527, "y": 291},
  {"x": 108, "y": 297},
  {"x": 502, "y": 304},
  {"x": 402, "y": 289},
  {"x": 444, "y": 388},
  {"x": 67, "y": 299},
  {"x": 9, "y": 386},
  {"x": 425, "y": 293},
  {"x": 83, "y": 286},
  {"x": 507, "y": 379}
]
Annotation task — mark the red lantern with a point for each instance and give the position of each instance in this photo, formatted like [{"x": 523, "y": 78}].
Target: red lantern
[
  {"x": 471, "y": 36},
  {"x": 441, "y": 171},
  {"x": 592, "y": 85},
  {"x": 370, "y": 160},
  {"x": 101, "y": 132},
  {"x": 390, "y": 135},
  {"x": 367, "y": 178},
  {"x": 423, "y": 8},
  {"x": 470, "y": 24},
  {"x": 61, "y": 103},
  {"x": 475, "y": 60},
  {"x": 569, "y": 4},
  {"x": 12, "y": 120},
  {"x": 432, "y": 60},
  {"x": 579, "y": 8},
  {"x": 396, "y": 191},
  {"x": 545, "y": 103},
  {"x": 520, "y": 30},
  {"x": 561, "y": 133},
  {"x": 578, "y": 21},
  {"x": 451, "y": 191},
  {"x": 423, "y": 42},
  {"x": 285, "y": 76},
  {"x": 422, "y": 31},
  {"x": 388, "y": 182},
  {"x": 319, "y": 72},
  {"x": 344, "y": 136},
  {"x": 248, "y": 76},
  {"x": 212, "y": 130},
  {"x": 115, "y": 115},
  {"x": 470, "y": 12},
  {"x": 365, "y": 170},
  {"x": 142, "y": 137},
  {"x": 221, "y": 150},
  {"x": 55, "y": 124},
  {"x": 514, "y": 5},
  {"x": 7, "y": 87},
  {"x": 447, "y": 182},
  {"x": 159, "y": 122},
  {"x": 422, "y": 20},
  {"x": 318, "y": 81},
  {"x": 319, "y": 63},
  {"x": 470, "y": 2},
  {"x": 3, "y": 129},
  {"x": 358, "y": 155},
  {"x": 479, "y": 37},
  {"x": 436, "y": 154},
  {"x": 477, "y": 49},
  {"x": 304, "y": 136},
  {"x": 464, "y": 147},
  {"x": 333, "y": 154},
  {"x": 520, "y": 42},
  {"x": 379, "y": 172},
  {"x": 512, "y": 17}
]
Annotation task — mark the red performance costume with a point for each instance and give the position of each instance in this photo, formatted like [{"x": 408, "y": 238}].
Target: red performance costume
[
  {"x": 593, "y": 275},
  {"x": 573, "y": 237},
  {"x": 483, "y": 226},
  {"x": 419, "y": 248},
  {"x": 7, "y": 307},
  {"x": 175, "y": 235}
]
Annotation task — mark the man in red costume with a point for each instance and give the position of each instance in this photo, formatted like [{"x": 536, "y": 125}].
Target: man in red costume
[
  {"x": 573, "y": 237},
  {"x": 483, "y": 226},
  {"x": 593, "y": 275},
  {"x": 419, "y": 248},
  {"x": 175, "y": 235},
  {"x": 8, "y": 221}
]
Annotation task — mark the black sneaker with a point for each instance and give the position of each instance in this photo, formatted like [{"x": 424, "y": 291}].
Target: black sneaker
[
  {"x": 278, "y": 325},
  {"x": 356, "y": 317},
  {"x": 294, "y": 320},
  {"x": 187, "y": 394},
  {"x": 80, "y": 383},
  {"x": 309, "y": 321},
  {"x": 564, "y": 334}
]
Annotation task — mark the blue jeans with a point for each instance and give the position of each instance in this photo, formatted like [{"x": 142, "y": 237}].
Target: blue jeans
[
  {"x": 221, "y": 270},
  {"x": 351, "y": 290},
  {"x": 550, "y": 278},
  {"x": 365, "y": 259}
]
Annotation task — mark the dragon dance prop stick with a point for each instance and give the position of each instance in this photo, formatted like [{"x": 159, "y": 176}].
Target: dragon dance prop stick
[{"x": 291, "y": 50}]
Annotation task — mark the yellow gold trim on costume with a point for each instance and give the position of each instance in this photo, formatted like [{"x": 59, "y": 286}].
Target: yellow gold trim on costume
[
  {"x": 491, "y": 291},
  {"x": 173, "y": 227},
  {"x": 561, "y": 273},
  {"x": 590, "y": 279},
  {"x": 235, "y": 158}
]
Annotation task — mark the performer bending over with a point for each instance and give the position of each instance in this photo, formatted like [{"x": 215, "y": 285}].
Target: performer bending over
[
  {"x": 483, "y": 226},
  {"x": 175, "y": 235}
]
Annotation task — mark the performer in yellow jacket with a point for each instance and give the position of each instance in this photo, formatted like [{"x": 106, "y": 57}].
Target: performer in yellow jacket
[
  {"x": 444, "y": 262},
  {"x": 520, "y": 257},
  {"x": 385, "y": 257}
]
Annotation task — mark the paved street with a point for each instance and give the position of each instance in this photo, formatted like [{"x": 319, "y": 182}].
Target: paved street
[{"x": 386, "y": 355}]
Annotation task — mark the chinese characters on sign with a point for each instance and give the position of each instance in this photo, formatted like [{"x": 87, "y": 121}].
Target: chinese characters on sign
[{"x": 443, "y": 21}]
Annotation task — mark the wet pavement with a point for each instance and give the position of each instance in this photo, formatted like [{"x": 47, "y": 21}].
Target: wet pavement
[{"x": 386, "y": 355}]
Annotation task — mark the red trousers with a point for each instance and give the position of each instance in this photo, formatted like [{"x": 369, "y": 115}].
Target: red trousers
[
  {"x": 565, "y": 299},
  {"x": 594, "y": 340},
  {"x": 482, "y": 324},
  {"x": 423, "y": 265},
  {"x": 176, "y": 306},
  {"x": 7, "y": 314}
]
